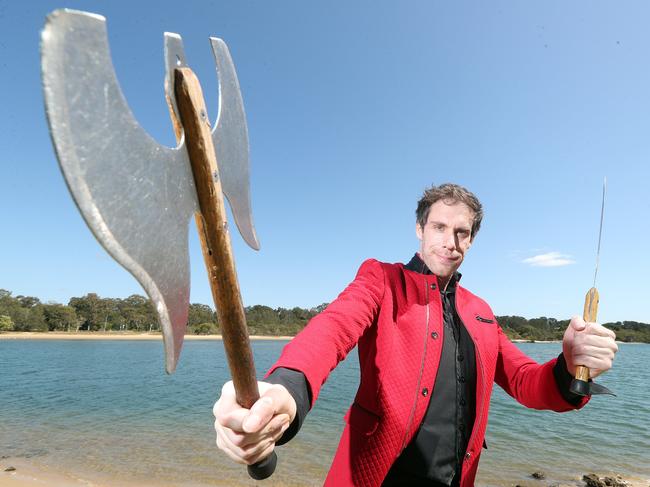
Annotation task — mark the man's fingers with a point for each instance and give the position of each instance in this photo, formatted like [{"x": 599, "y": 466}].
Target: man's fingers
[
  {"x": 276, "y": 427},
  {"x": 595, "y": 352},
  {"x": 597, "y": 341},
  {"x": 273, "y": 430},
  {"x": 221, "y": 443},
  {"x": 261, "y": 456},
  {"x": 234, "y": 419},
  {"x": 247, "y": 454},
  {"x": 260, "y": 414},
  {"x": 249, "y": 448},
  {"x": 275, "y": 400},
  {"x": 227, "y": 401},
  {"x": 600, "y": 330}
]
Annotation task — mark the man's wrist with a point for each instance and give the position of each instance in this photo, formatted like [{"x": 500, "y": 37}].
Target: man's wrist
[
  {"x": 296, "y": 383},
  {"x": 563, "y": 380}
]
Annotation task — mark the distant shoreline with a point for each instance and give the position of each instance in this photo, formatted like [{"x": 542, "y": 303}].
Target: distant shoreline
[
  {"x": 129, "y": 335},
  {"x": 52, "y": 335}
]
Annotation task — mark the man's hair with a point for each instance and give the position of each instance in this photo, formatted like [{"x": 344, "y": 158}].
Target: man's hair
[{"x": 450, "y": 194}]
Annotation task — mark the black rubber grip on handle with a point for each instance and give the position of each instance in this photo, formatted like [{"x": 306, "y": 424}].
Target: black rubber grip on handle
[
  {"x": 264, "y": 468},
  {"x": 580, "y": 387}
]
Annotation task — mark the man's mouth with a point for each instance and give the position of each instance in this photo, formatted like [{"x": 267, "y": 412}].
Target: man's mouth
[{"x": 447, "y": 258}]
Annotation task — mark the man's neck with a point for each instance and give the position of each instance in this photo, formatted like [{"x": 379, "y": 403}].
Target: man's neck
[{"x": 443, "y": 282}]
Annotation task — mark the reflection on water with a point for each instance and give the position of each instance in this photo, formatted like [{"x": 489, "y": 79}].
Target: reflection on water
[{"x": 105, "y": 409}]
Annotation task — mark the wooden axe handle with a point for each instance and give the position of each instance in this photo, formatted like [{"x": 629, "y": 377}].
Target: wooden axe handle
[
  {"x": 580, "y": 385},
  {"x": 219, "y": 259},
  {"x": 217, "y": 250}
]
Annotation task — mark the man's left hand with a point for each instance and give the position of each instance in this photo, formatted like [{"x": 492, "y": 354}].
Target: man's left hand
[{"x": 588, "y": 344}]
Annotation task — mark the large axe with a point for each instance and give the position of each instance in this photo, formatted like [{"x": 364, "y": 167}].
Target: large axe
[{"x": 137, "y": 196}]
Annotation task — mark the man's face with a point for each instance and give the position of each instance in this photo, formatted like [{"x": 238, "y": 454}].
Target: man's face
[{"x": 445, "y": 238}]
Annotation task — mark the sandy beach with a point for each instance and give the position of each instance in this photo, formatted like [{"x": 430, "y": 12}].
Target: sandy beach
[
  {"x": 29, "y": 335},
  {"x": 27, "y": 474}
]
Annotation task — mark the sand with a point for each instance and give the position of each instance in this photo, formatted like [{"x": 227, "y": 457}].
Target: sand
[{"x": 31, "y": 475}]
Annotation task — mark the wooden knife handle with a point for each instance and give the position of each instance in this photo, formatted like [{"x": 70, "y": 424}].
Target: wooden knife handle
[{"x": 580, "y": 385}]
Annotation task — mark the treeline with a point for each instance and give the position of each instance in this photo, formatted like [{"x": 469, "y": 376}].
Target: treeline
[
  {"x": 548, "y": 329},
  {"x": 135, "y": 313}
]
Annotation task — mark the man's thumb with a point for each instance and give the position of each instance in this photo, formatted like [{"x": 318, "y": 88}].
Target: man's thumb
[
  {"x": 578, "y": 324},
  {"x": 261, "y": 413}
]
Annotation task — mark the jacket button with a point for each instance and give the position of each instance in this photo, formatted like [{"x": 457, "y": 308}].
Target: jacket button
[
  {"x": 433, "y": 287},
  {"x": 468, "y": 455},
  {"x": 434, "y": 335},
  {"x": 425, "y": 392}
]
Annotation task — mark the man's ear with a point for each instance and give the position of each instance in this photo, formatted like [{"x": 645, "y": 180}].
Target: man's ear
[{"x": 418, "y": 230}]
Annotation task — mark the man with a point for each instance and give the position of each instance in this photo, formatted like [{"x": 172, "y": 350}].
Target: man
[{"x": 429, "y": 352}]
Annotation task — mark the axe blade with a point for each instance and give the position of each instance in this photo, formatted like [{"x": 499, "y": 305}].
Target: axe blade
[
  {"x": 229, "y": 133},
  {"x": 136, "y": 195},
  {"x": 230, "y": 138}
]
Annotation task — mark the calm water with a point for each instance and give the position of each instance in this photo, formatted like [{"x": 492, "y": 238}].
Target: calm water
[{"x": 105, "y": 409}]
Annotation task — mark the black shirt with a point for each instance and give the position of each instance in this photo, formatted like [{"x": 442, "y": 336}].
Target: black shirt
[{"x": 434, "y": 455}]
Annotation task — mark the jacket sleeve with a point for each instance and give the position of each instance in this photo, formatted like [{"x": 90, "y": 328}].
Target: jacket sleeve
[
  {"x": 533, "y": 385},
  {"x": 328, "y": 337}
]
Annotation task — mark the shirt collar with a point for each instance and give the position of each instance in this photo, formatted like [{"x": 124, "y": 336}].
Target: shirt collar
[{"x": 416, "y": 264}]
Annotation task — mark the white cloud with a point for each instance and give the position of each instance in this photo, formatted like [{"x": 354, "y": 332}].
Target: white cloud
[{"x": 550, "y": 259}]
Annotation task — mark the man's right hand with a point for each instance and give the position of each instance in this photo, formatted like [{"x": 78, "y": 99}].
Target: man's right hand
[{"x": 249, "y": 435}]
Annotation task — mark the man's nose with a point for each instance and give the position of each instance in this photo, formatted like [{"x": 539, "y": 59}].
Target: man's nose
[{"x": 449, "y": 240}]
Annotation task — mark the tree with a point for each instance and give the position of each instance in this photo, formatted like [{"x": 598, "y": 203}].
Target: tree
[
  {"x": 28, "y": 301},
  {"x": 60, "y": 317},
  {"x": 10, "y": 306},
  {"x": 204, "y": 329},
  {"x": 36, "y": 318},
  {"x": 6, "y": 324},
  {"x": 138, "y": 313},
  {"x": 320, "y": 308},
  {"x": 200, "y": 313},
  {"x": 89, "y": 310}
]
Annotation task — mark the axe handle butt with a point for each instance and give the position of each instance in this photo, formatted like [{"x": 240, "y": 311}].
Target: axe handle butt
[
  {"x": 580, "y": 385},
  {"x": 215, "y": 238}
]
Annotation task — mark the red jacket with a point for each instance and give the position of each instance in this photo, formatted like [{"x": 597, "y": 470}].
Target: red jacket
[{"x": 395, "y": 316}]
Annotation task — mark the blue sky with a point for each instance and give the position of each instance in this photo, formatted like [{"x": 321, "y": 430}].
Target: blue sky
[{"x": 353, "y": 109}]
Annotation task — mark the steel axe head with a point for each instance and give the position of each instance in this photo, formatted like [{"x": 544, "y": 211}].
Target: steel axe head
[{"x": 136, "y": 195}]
